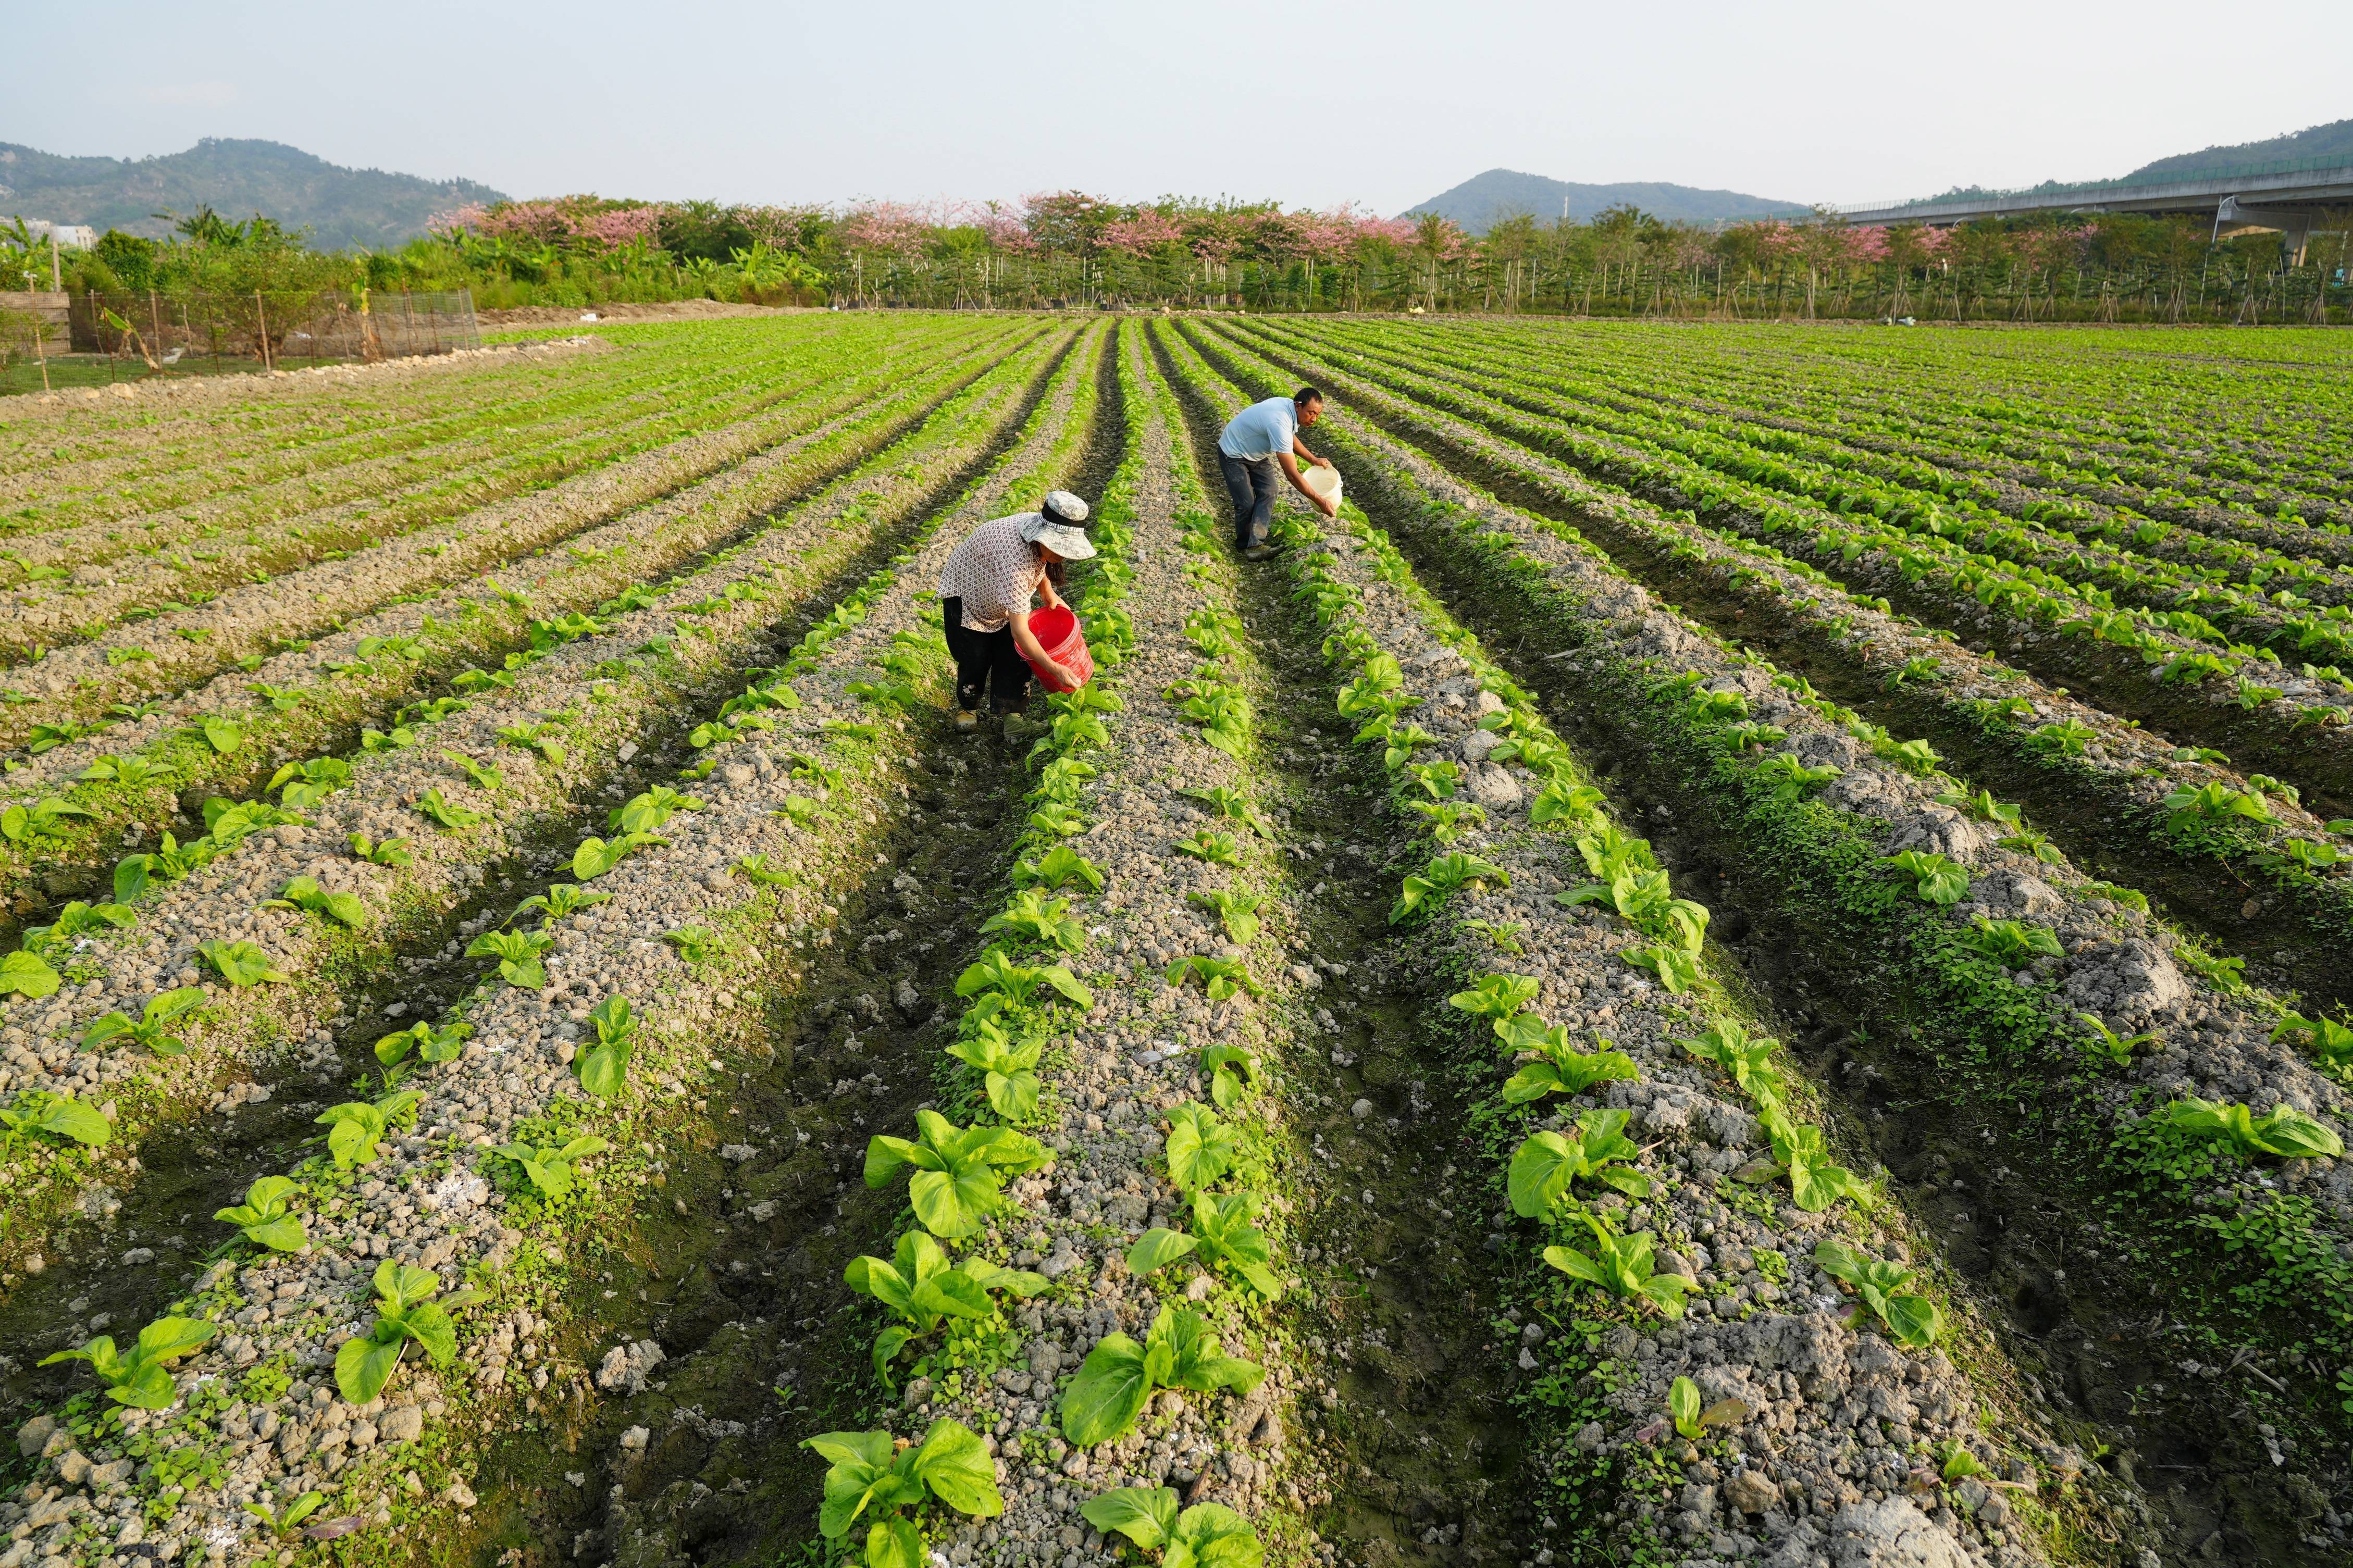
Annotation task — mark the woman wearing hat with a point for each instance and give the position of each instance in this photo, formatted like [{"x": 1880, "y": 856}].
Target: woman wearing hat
[{"x": 985, "y": 601}]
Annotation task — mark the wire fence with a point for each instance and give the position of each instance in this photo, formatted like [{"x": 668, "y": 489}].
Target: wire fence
[{"x": 127, "y": 337}]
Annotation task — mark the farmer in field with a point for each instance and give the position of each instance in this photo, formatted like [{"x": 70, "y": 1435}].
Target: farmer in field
[
  {"x": 984, "y": 594},
  {"x": 1257, "y": 443}
]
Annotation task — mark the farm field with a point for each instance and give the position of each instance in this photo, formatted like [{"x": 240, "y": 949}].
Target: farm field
[{"x": 1744, "y": 959}]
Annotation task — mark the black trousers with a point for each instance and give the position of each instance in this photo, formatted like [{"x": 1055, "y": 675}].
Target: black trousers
[{"x": 985, "y": 662}]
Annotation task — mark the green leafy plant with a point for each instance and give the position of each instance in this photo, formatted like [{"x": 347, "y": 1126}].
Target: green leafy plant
[
  {"x": 404, "y": 1311},
  {"x": 518, "y": 953},
  {"x": 305, "y": 893},
  {"x": 1058, "y": 869},
  {"x": 1227, "y": 1068},
  {"x": 2066, "y": 738},
  {"x": 1206, "y": 1535},
  {"x": 1220, "y": 977},
  {"x": 693, "y": 942},
  {"x": 381, "y": 852},
  {"x": 1935, "y": 878},
  {"x": 44, "y": 1115},
  {"x": 1216, "y": 848},
  {"x": 924, "y": 1290},
  {"x": 1799, "y": 1153},
  {"x": 356, "y": 1127},
  {"x": 484, "y": 777},
  {"x": 24, "y": 974},
  {"x": 1561, "y": 1069},
  {"x": 283, "y": 1525},
  {"x": 45, "y": 817},
  {"x": 1224, "y": 1236},
  {"x": 996, "y": 971},
  {"x": 644, "y": 813},
  {"x": 1104, "y": 1400},
  {"x": 539, "y": 738},
  {"x": 549, "y": 1166},
  {"x": 1201, "y": 1149},
  {"x": 1031, "y": 915},
  {"x": 151, "y": 1028},
  {"x": 130, "y": 772},
  {"x": 956, "y": 1178},
  {"x": 2106, "y": 1042},
  {"x": 1238, "y": 912},
  {"x": 1691, "y": 1422},
  {"x": 2282, "y": 1130},
  {"x": 1504, "y": 934},
  {"x": 2214, "y": 804},
  {"x": 76, "y": 920},
  {"x": 142, "y": 1378},
  {"x": 1886, "y": 1291},
  {"x": 562, "y": 900},
  {"x": 436, "y": 808},
  {"x": 2013, "y": 945},
  {"x": 597, "y": 855},
  {"x": 265, "y": 1218},
  {"x": 445, "y": 1044},
  {"x": 1545, "y": 1166},
  {"x": 241, "y": 964},
  {"x": 1008, "y": 1066},
  {"x": 1445, "y": 876},
  {"x": 1496, "y": 996},
  {"x": 1620, "y": 1265},
  {"x": 2332, "y": 1042},
  {"x": 1232, "y": 804},
  {"x": 604, "y": 1066},
  {"x": 870, "y": 1470},
  {"x": 757, "y": 870},
  {"x": 307, "y": 783},
  {"x": 1792, "y": 780}
]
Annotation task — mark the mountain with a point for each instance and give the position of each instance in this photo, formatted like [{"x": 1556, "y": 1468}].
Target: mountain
[
  {"x": 1478, "y": 202},
  {"x": 2333, "y": 140},
  {"x": 340, "y": 206}
]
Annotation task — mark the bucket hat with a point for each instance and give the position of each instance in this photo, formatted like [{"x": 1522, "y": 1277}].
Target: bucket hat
[{"x": 1058, "y": 527}]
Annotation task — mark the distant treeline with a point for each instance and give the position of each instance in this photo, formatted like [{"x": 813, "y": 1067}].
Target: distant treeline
[{"x": 1070, "y": 250}]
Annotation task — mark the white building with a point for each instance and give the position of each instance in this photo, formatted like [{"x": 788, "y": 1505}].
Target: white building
[{"x": 74, "y": 236}]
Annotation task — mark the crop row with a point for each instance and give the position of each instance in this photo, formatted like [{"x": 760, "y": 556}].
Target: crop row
[
  {"x": 1605, "y": 1044},
  {"x": 2098, "y": 544},
  {"x": 2230, "y": 445},
  {"x": 402, "y": 836},
  {"x": 128, "y": 637},
  {"x": 2136, "y": 662},
  {"x": 2017, "y": 979},
  {"x": 81, "y": 796},
  {"x": 536, "y": 1141},
  {"x": 2214, "y": 838}
]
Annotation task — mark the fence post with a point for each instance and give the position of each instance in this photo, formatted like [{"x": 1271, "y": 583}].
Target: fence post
[
  {"x": 261, "y": 325},
  {"x": 156, "y": 325}
]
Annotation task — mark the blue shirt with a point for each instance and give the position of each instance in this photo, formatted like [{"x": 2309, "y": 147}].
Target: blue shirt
[{"x": 1260, "y": 430}]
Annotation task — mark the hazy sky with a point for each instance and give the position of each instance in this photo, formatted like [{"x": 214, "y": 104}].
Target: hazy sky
[{"x": 1377, "y": 103}]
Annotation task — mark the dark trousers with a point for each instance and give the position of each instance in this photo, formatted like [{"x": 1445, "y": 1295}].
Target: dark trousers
[
  {"x": 985, "y": 662},
  {"x": 1252, "y": 483}
]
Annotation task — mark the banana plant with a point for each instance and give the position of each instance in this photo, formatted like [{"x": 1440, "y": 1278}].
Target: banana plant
[
  {"x": 404, "y": 1311},
  {"x": 142, "y": 1378},
  {"x": 871, "y": 1470},
  {"x": 1886, "y": 1291},
  {"x": 356, "y": 1127},
  {"x": 151, "y": 1028},
  {"x": 1008, "y": 1068},
  {"x": 1546, "y": 1165},
  {"x": 1206, "y": 1535},
  {"x": 956, "y": 1173},
  {"x": 924, "y": 1290},
  {"x": 265, "y": 1218},
  {"x": 1620, "y": 1265},
  {"x": 1104, "y": 1400},
  {"x": 1031, "y": 915},
  {"x": 1224, "y": 1236},
  {"x": 305, "y": 893},
  {"x": 549, "y": 1167},
  {"x": 1560, "y": 1068},
  {"x": 518, "y": 955}
]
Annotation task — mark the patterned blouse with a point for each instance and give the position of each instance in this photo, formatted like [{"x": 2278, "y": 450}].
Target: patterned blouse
[{"x": 995, "y": 572}]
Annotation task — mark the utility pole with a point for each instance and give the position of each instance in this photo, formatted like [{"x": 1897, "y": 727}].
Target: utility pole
[{"x": 57, "y": 285}]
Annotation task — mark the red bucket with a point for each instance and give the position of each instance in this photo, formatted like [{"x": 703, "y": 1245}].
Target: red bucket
[{"x": 1069, "y": 664}]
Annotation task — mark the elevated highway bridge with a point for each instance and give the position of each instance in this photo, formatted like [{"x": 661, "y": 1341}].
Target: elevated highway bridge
[{"x": 2291, "y": 198}]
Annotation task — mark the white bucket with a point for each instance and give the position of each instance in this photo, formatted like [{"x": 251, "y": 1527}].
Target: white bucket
[{"x": 1324, "y": 484}]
